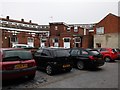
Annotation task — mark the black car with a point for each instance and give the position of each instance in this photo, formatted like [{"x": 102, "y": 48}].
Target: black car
[
  {"x": 53, "y": 59},
  {"x": 83, "y": 58}
]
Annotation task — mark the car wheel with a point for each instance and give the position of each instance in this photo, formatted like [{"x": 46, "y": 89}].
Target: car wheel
[
  {"x": 31, "y": 76},
  {"x": 107, "y": 59},
  {"x": 49, "y": 70},
  {"x": 80, "y": 65}
]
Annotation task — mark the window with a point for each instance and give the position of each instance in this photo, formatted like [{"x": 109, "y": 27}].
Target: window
[
  {"x": 0, "y": 21},
  {"x": 94, "y": 52},
  {"x": 61, "y": 53},
  {"x": 56, "y": 27},
  {"x": 14, "y": 38},
  {"x": 100, "y": 30},
  {"x": 68, "y": 29},
  {"x": 45, "y": 53},
  {"x": 83, "y": 52},
  {"x": 98, "y": 45},
  {"x": 30, "y": 39},
  {"x": 103, "y": 49},
  {"x": 75, "y": 29},
  {"x": 56, "y": 40},
  {"x": 75, "y": 52},
  {"x": 66, "y": 40},
  {"x": 43, "y": 40},
  {"x": 12, "y": 55},
  {"x": 78, "y": 39}
]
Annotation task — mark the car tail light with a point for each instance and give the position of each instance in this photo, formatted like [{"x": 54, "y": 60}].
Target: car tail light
[
  {"x": 8, "y": 67},
  {"x": 32, "y": 64},
  {"x": 91, "y": 57}
]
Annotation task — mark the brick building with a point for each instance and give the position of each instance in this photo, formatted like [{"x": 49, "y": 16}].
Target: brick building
[
  {"x": 107, "y": 32},
  {"x": 20, "y": 32},
  {"x": 56, "y": 34},
  {"x": 66, "y": 35}
]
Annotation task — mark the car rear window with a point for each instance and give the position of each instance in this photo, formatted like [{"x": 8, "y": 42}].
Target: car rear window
[
  {"x": 13, "y": 55},
  {"x": 94, "y": 52},
  {"x": 117, "y": 50},
  {"x": 61, "y": 53}
]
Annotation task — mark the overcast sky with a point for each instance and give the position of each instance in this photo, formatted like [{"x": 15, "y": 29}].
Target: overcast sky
[{"x": 68, "y": 11}]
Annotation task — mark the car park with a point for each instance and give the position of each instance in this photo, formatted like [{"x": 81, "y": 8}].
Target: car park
[
  {"x": 109, "y": 54},
  {"x": 17, "y": 63},
  {"x": 53, "y": 59},
  {"x": 83, "y": 58}
]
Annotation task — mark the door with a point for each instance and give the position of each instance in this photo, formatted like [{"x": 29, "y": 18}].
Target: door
[
  {"x": 31, "y": 41},
  {"x": 66, "y": 42}
]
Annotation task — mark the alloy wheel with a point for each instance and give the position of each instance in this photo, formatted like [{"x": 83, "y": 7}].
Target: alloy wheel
[
  {"x": 80, "y": 65},
  {"x": 49, "y": 70},
  {"x": 107, "y": 59}
]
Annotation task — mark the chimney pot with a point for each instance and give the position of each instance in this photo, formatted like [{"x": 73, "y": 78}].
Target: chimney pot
[
  {"x": 22, "y": 20},
  {"x": 30, "y": 21}
]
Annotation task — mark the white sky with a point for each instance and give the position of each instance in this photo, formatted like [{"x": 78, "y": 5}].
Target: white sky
[{"x": 68, "y": 11}]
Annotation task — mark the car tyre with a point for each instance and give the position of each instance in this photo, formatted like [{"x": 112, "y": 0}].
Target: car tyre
[
  {"x": 80, "y": 65},
  {"x": 107, "y": 59},
  {"x": 49, "y": 70}
]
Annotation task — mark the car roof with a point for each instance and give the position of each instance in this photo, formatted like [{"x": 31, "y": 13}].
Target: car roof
[
  {"x": 10, "y": 49},
  {"x": 50, "y": 48}
]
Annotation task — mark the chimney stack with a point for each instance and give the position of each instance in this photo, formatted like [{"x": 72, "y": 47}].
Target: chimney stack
[
  {"x": 7, "y": 17},
  {"x": 22, "y": 20},
  {"x": 30, "y": 21}
]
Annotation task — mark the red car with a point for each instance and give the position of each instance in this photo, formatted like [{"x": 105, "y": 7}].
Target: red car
[
  {"x": 16, "y": 63},
  {"x": 109, "y": 54}
]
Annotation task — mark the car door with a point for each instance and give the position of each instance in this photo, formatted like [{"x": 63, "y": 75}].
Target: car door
[
  {"x": 37, "y": 57},
  {"x": 46, "y": 57},
  {"x": 74, "y": 55},
  {"x": 83, "y": 55}
]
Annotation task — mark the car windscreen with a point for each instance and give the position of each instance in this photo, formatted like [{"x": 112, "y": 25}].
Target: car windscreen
[
  {"x": 61, "y": 53},
  {"x": 13, "y": 55}
]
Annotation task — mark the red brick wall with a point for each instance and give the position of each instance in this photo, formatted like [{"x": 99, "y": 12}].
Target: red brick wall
[
  {"x": 6, "y": 41},
  {"x": 87, "y": 41},
  {"x": 22, "y": 38},
  {"x": 54, "y": 32},
  {"x": 110, "y": 24},
  {"x": 36, "y": 41}
]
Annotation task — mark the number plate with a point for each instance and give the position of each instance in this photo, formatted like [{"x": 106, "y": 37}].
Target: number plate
[
  {"x": 20, "y": 66},
  {"x": 67, "y": 65}
]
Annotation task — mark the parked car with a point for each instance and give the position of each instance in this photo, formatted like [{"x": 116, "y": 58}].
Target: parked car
[
  {"x": 31, "y": 49},
  {"x": 83, "y": 58},
  {"x": 53, "y": 59},
  {"x": 17, "y": 63},
  {"x": 109, "y": 54}
]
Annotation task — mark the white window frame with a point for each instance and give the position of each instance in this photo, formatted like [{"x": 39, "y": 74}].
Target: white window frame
[
  {"x": 100, "y": 30},
  {"x": 56, "y": 27},
  {"x": 75, "y": 29}
]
